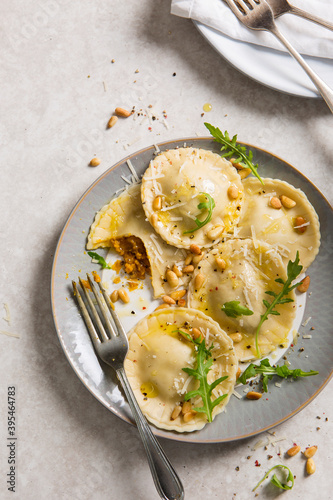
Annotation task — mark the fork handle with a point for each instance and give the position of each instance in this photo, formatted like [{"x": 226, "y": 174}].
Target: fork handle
[
  {"x": 165, "y": 477},
  {"x": 310, "y": 17},
  {"x": 324, "y": 89}
]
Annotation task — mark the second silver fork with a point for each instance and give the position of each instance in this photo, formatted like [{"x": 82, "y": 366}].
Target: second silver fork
[{"x": 257, "y": 15}]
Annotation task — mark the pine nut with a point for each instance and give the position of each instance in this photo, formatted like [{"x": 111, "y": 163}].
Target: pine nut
[
  {"x": 233, "y": 192},
  {"x": 239, "y": 371},
  {"x": 253, "y": 395},
  {"x": 189, "y": 416},
  {"x": 186, "y": 407},
  {"x": 244, "y": 172},
  {"x": 188, "y": 269},
  {"x": 287, "y": 202},
  {"x": 310, "y": 466},
  {"x": 275, "y": 203},
  {"x": 309, "y": 452},
  {"x": 197, "y": 258},
  {"x": 124, "y": 113},
  {"x": 236, "y": 337},
  {"x": 178, "y": 294},
  {"x": 162, "y": 306},
  {"x": 94, "y": 162},
  {"x": 196, "y": 333},
  {"x": 168, "y": 300},
  {"x": 182, "y": 302},
  {"x": 220, "y": 263},
  {"x": 172, "y": 278},
  {"x": 176, "y": 412},
  {"x": 199, "y": 281},
  {"x": 188, "y": 259},
  {"x": 113, "y": 120},
  {"x": 114, "y": 296},
  {"x": 123, "y": 295},
  {"x": 154, "y": 219},
  {"x": 293, "y": 451},
  {"x": 236, "y": 165},
  {"x": 215, "y": 232},
  {"x": 157, "y": 203},
  {"x": 305, "y": 283},
  {"x": 177, "y": 271},
  {"x": 299, "y": 221},
  {"x": 195, "y": 249}
]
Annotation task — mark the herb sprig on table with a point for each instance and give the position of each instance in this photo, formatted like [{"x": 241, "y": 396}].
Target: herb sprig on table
[
  {"x": 276, "y": 481},
  {"x": 230, "y": 148},
  {"x": 233, "y": 309},
  {"x": 204, "y": 363},
  {"x": 267, "y": 371},
  {"x": 99, "y": 260},
  {"x": 208, "y": 205},
  {"x": 293, "y": 270}
]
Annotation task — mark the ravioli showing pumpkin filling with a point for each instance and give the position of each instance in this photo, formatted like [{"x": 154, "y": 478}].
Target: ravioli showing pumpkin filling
[
  {"x": 191, "y": 196},
  {"x": 157, "y": 354},
  {"x": 243, "y": 271},
  {"x": 281, "y": 215},
  {"x": 122, "y": 225}
]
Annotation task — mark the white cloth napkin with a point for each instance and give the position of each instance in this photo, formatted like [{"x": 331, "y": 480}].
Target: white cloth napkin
[{"x": 307, "y": 37}]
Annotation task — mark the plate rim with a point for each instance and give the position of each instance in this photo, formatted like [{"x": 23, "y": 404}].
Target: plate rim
[{"x": 179, "y": 437}]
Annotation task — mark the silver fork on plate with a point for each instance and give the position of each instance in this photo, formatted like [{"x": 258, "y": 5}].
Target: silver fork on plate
[
  {"x": 111, "y": 344},
  {"x": 280, "y": 7},
  {"x": 257, "y": 15}
]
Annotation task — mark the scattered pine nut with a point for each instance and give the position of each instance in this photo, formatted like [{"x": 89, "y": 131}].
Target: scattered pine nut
[
  {"x": 197, "y": 258},
  {"x": 244, "y": 172},
  {"x": 114, "y": 296},
  {"x": 168, "y": 300},
  {"x": 123, "y": 295},
  {"x": 221, "y": 264},
  {"x": 233, "y": 192},
  {"x": 275, "y": 203},
  {"x": 178, "y": 294},
  {"x": 172, "y": 278},
  {"x": 189, "y": 416},
  {"x": 113, "y": 120},
  {"x": 94, "y": 162},
  {"x": 124, "y": 113},
  {"x": 162, "y": 306},
  {"x": 239, "y": 371},
  {"x": 176, "y": 412},
  {"x": 253, "y": 395},
  {"x": 195, "y": 249},
  {"x": 310, "y": 466},
  {"x": 182, "y": 302},
  {"x": 299, "y": 221},
  {"x": 293, "y": 451},
  {"x": 199, "y": 281},
  {"x": 309, "y": 452},
  {"x": 188, "y": 269},
  {"x": 186, "y": 407},
  {"x": 236, "y": 337},
  {"x": 157, "y": 203},
  {"x": 287, "y": 202},
  {"x": 188, "y": 259},
  {"x": 304, "y": 285},
  {"x": 235, "y": 164},
  {"x": 215, "y": 232},
  {"x": 196, "y": 333},
  {"x": 177, "y": 271},
  {"x": 154, "y": 219}
]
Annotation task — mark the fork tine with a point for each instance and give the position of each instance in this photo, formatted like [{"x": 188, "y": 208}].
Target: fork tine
[
  {"x": 91, "y": 328},
  {"x": 102, "y": 307},
  {"x": 113, "y": 313},
  {"x": 103, "y": 335}
]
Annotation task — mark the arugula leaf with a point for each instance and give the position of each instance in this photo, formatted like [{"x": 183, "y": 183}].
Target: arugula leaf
[
  {"x": 208, "y": 205},
  {"x": 100, "y": 260},
  {"x": 204, "y": 362},
  {"x": 293, "y": 270},
  {"x": 276, "y": 481},
  {"x": 230, "y": 147},
  {"x": 267, "y": 371},
  {"x": 233, "y": 309}
]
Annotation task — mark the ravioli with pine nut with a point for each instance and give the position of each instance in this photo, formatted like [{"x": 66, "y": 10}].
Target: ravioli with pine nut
[
  {"x": 191, "y": 196},
  {"x": 122, "y": 220},
  {"x": 155, "y": 361},
  {"x": 281, "y": 215},
  {"x": 243, "y": 271}
]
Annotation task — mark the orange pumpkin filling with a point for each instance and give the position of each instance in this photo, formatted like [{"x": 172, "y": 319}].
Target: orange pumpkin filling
[{"x": 133, "y": 251}]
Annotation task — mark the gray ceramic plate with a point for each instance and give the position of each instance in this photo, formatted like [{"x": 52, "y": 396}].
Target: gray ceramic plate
[{"x": 243, "y": 418}]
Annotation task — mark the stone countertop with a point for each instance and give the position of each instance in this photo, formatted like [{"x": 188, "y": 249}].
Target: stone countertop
[{"x": 65, "y": 66}]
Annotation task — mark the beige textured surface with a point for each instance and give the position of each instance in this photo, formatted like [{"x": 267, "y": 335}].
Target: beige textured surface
[{"x": 55, "y": 107}]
